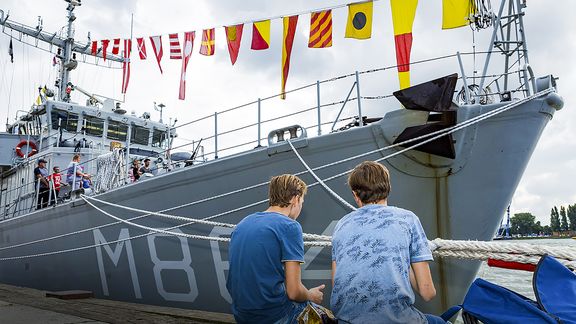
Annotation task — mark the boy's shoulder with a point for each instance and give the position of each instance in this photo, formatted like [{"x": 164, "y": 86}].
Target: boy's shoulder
[
  {"x": 268, "y": 218},
  {"x": 403, "y": 212},
  {"x": 378, "y": 211}
]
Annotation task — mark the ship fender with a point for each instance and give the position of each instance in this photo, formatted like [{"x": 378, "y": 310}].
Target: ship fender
[{"x": 32, "y": 149}]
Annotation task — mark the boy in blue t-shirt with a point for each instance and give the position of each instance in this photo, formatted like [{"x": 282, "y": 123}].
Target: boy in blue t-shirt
[
  {"x": 380, "y": 256},
  {"x": 265, "y": 253}
]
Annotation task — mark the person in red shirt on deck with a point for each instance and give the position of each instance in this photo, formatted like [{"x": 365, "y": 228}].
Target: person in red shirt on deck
[{"x": 56, "y": 179}]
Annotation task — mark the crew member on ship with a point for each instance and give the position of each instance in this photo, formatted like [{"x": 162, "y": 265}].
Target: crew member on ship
[{"x": 42, "y": 185}]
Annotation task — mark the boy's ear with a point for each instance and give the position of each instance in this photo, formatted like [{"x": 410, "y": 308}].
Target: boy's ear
[
  {"x": 357, "y": 200},
  {"x": 295, "y": 199}
]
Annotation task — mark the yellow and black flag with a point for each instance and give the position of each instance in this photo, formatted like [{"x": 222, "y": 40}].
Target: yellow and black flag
[{"x": 359, "y": 24}]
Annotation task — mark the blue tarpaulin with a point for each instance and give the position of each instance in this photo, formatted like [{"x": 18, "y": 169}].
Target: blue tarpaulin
[{"x": 555, "y": 289}]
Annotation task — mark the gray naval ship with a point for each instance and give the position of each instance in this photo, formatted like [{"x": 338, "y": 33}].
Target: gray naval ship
[{"x": 455, "y": 157}]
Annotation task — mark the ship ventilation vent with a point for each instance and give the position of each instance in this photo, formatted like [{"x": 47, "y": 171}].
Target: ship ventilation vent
[{"x": 435, "y": 97}]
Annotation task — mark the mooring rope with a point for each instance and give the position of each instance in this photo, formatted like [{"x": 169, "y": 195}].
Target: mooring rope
[
  {"x": 505, "y": 251},
  {"x": 516, "y": 252},
  {"x": 474, "y": 250}
]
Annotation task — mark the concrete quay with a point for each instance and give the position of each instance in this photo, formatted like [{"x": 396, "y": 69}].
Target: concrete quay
[{"x": 24, "y": 305}]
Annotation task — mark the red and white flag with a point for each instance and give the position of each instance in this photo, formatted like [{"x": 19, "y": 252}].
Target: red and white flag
[
  {"x": 94, "y": 47},
  {"x": 105, "y": 43},
  {"x": 126, "y": 64},
  {"x": 141, "y": 47},
  {"x": 188, "y": 44},
  {"x": 157, "y": 47},
  {"x": 175, "y": 51},
  {"x": 116, "y": 47}
]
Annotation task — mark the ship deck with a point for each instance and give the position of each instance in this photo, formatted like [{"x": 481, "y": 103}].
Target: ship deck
[{"x": 25, "y": 305}]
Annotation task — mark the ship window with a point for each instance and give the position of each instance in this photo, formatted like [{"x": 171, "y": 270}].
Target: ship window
[
  {"x": 117, "y": 130},
  {"x": 140, "y": 135},
  {"x": 68, "y": 121},
  {"x": 94, "y": 126},
  {"x": 159, "y": 138}
]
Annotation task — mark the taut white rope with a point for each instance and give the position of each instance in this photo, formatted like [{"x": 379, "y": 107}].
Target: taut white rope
[
  {"x": 335, "y": 195},
  {"x": 194, "y": 220}
]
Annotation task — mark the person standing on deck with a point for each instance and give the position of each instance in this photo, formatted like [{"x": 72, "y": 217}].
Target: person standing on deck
[
  {"x": 146, "y": 167},
  {"x": 42, "y": 185},
  {"x": 75, "y": 173},
  {"x": 380, "y": 256},
  {"x": 56, "y": 179},
  {"x": 134, "y": 171},
  {"x": 265, "y": 253}
]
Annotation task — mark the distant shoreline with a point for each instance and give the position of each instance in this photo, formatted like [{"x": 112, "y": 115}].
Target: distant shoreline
[{"x": 533, "y": 238}]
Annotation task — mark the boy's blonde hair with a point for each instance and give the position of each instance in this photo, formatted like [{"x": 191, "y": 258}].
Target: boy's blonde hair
[{"x": 283, "y": 187}]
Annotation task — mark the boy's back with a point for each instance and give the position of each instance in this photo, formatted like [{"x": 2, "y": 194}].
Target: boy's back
[
  {"x": 373, "y": 248},
  {"x": 259, "y": 245}
]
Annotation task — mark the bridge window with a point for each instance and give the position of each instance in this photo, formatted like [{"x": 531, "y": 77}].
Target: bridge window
[
  {"x": 159, "y": 138},
  {"x": 117, "y": 130},
  {"x": 94, "y": 126},
  {"x": 68, "y": 121},
  {"x": 140, "y": 135}
]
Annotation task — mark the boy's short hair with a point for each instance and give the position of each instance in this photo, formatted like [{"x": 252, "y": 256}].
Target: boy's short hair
[
  {"x": 370, "y": 181},
  {"x": 283, "y": 187}
]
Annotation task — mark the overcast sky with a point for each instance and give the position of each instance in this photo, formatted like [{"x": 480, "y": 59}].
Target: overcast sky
[{"x": 215, "y": 85}]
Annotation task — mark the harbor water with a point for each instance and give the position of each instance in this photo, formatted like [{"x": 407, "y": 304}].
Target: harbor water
[{"x": 517, "y": 280}]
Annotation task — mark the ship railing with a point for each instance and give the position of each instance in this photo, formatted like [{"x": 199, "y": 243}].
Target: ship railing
[
  {"x": 222, "y": 134},
  {"x": 22, "y": 189}
]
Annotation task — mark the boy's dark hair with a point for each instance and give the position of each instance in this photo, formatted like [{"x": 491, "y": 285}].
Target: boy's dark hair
[
  {"x": 370, "y": 181},
  {"x": 283, "y": 187}
]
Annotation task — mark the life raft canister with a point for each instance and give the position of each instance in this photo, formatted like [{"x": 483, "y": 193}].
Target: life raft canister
[{"x": 32, "y": 149}]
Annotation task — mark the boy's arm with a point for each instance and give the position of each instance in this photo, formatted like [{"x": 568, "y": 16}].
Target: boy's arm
[
  {"x": 294, "y": 287},
  {"x": 421, "y": 280},
  {"x": 333, "y": 271}
]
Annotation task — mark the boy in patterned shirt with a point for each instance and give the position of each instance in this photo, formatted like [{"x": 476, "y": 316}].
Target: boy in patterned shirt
[{"x": 380, "y": 256}]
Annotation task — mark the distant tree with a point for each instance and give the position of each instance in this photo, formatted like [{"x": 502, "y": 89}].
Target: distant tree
[
  {"x": 571, "y": 213},
  {"x": 554, "y": 220},
  {"x": 522, "y": 223},
  {"x": 537, "y": 229},
  {"x": 547, "y": 230},
  {"x": 563, "y": 219}
]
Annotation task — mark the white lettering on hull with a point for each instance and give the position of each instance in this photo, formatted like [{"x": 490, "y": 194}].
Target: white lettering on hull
[
  {"x": 220, "y": 265},
  {"x": 115, "y": 257},
  {"x": 312, "y": 253},
  {"x": 184, "y": 265}
]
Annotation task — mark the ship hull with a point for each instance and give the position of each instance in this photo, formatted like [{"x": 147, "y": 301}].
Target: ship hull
[{"x": 462, "y": 198}]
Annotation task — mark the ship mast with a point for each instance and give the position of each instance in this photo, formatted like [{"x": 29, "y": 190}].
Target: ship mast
[
  {"x": 66, "y": 46},
  {"x": 508, "y": 37}
]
